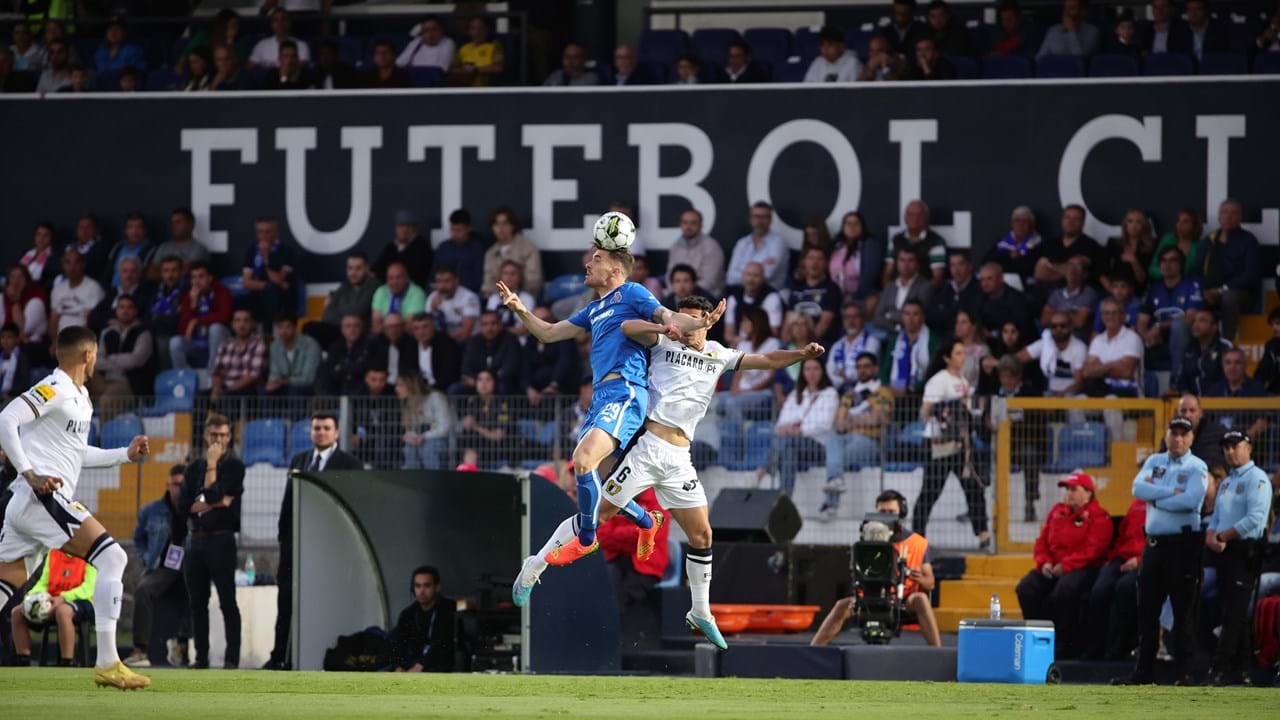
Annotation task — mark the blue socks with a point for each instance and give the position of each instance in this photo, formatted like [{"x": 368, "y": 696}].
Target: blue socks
[
  {"x": 638, "y": 515},
  {"x": 588, "y": 504}
]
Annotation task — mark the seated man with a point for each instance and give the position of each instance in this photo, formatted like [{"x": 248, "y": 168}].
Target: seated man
[
  {"x": 456, "y": 308},
  {"x": 1236, "y": 383},
  {"x": 493, "y": 349},
  {"x": 682, "y": 281},
  {"x": 204, "y": 312},
  {"x": 69, "y": 581},
  {"x": 1123, "y": 291},
  {"x": 866, "y": 409},
  {"x": 423, "y": 639},
  {"x": 241, "y": 362},
  {"x": 1019, "y": 251},
  {"x": 394, "y": 350},
  {"x": 1072, "y": 546},
  {"x": 905, "y": 355},
  {"x": 914, "y": 549},
  {"x": 1076, "y": 297},
  {"x": 354, "y": 295},
  {"x": 267, "y": 274},
  {"x": 1114, "y": 359},
  {"x": 1167, "y": 312},
  {"x": 1202, "y": 360},
  {"x": 1060, "y": 354},
  {"x": 125, "y": 355},
  {"x": 814, "y": 296},
  {"x": 511, "y": 275},
  {"x": 399, "y": 296},
  {"x": 1113, "y": 602},
  {"x": 293, "y": 359},
  {"x": 342, "y": 371},
  {"x": 160, "y": 527},
  {"x": 754, "y": 292},
  {"x": 548, "y": 369},
  {"x": 908, "y": 284},
  {"x": 845, "y": 353},
  {"x": 439, "y": 357}
]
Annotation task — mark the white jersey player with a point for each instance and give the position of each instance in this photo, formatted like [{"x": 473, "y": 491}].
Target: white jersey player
[
  {"x": 683, "y": 375},
  {"x": 45, "y": 433}
]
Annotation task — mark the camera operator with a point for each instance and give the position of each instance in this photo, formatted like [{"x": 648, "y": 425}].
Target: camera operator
[{"x": 913, "y": 548}]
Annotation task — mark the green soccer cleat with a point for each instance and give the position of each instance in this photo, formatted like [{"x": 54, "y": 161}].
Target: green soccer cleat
[
  {"x": 706, "y": 626},
  {"x": 522, "y": 588}
]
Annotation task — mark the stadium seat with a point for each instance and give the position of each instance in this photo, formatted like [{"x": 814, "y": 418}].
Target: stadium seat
[
  {"x": 1224, "y": 63},
  {"x": 175, "y": 392},
  {"x": 657, "y": 70},
  {"x": 730, "y": 444},
  {"x": 769, "y": 45},
  {"x": 663, "y": 46},
  {"x": 119, "y": 431},
  {"x": 906, "y": 447},
  {"x": 1060, "y": 66},
  {"x": 1165, "y": 64},
  {"x": 94, "y": 432},
  {"x": 300, "y": 437},
  {"x": 162, "y": 79},
  {"x": 1010, "y": 67},
  {"x": 712, "y": 45},
  {"x": 807, "y": 44},
  {"x": 564, "y": 286},
  {"x": 790, "y": 72},
  {"x": 351, "y": 49},
  {"x": 980, "y": 39},
  {"x": 675, "y": 565},
  {"x": 537, "y": 431},
  {"x": 1114, "y": 66},
  {"x": 1081, "y": 445},
  {"x": 859, "y": 41},
  {"x": 106, "y": 81},
  {"x": 966, "y": 67},
  {"x": 235, "y": 285},
  {"x": 424, "y": 77},
  {"x": 1267, "y": 63},
  {"x": 264, "y": 442},
  {"x": 757, "y": 442}
]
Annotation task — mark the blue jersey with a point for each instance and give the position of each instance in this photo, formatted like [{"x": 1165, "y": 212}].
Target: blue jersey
[{"x": 611, "y": 351}]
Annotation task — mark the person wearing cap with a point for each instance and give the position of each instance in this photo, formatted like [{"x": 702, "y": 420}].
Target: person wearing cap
[
  {"x": 1172, "y": 483},
  {"x": 1073, "y": 544},
  {"x": 1237, "y": 534},
  {"x": 409, "y": 247}
]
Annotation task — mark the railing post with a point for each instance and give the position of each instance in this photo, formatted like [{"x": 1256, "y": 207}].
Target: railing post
[{"x": 1003, "y": 468}]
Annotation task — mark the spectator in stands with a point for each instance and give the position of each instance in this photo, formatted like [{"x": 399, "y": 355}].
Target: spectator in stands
[
  {"x": 408, "y": 247},
  {"x": 57, "y": 74},
  {"x": 166, "y": 306},
  {"x": 967, "y": 330},
  {"x": 842, "y": 358},
  {"x": 640, "y": 276},
  {"x": 696, "y": 249},
  {"x": 1124, "y": 40},
  {"x": 1207, "y": 34},
  {"x": 385, "y": 73},
  {"x": 1165, "y": 319},
  {"x": 456, "y": 308},
  {"x": 25, "y": 306},
  {"x": 1026, "y": 449},
  {"x": 882, "y": 63},
  {"x": 229, "y": 74},
  {"x": 69, "y": 581},
  {"x": 1268, "y": 371},
  {"x": 1001, "y": 303},
  {"x": 182, "y": 244},
  {"x": 293, "y": 359},
  {"x": 907, "y": 285},
  {"x": 28, "y": 55},
  {"x": 426, "y": 420},
  {"x": 1051, "y": 267},
  {"x": 573, "y": 69},
  {"x": 1202, "y": 359},
  {"x": 160, "y": 526},
  {"x": 1014, "y": 36},
  {"x": 797, "y": 333},
  {"x": 377, "y": 421},
  {"x": 354, "y": 295},
  {"x": 1268, "y": 40},
  {"x": 950, "y": 37},
  {"x": 1076, "y": 297},
  {"x": 928, "y": 246},
  {"x": 399, "y": 295},
  {"x": 423, "y": 639},
  {"x": 805, "y": 420},
  {"x": 240, "y": 365},
  {"x": 1185, "y": 235},
  {"x": 116, "y": 53},
  {"x": 1135, "y": 248},
  {"x": 753, "y": 292},
  {"x": 1072, "y": 546},
  {"x": 126, "y": 356},
  {"x": 267, "y": 273},
  {"x": 865, "y": 411},
  {"x": 905, "y": 353},
  {"x": 855, "y": 264},
  {"x": 135, "y": 245},
  {"x": 960, "y": 292},
  {"x": 393, "y": 349},
  {"x": 37, "y": 259},
  {"x": 439, "y": 357},
  {"x": 81, "y": 81},
  {"x": 342, "y": 371},
  {"x": 1113, "y": 601},
  {"x": 510, "y": 244},
  {"x": 431, "y": 48},
  {"x": 493, "y": 349},
  {"x": 627, "y": 71},
  {"x": 92, "y": 248},
  {"x": 750, "y": 393},
  {"x": 486, "y": 422},
  {"x": 512, "y": 275},
  {"x": 289, "y": 73},
  {"x": 480, "y": 59},
  {"x": 1122, "y": 292},
  {"x": 267, "y": 52},
  {"x": 1236, "y": 383},
  {"x": 816, "y": 297},
  {"x": 929, "y": 64},
  {"x": 1075, "y": 35},
  {"x": 463, "y": 251},
  {"x": 225, "y": 30},
  {"x": 1061, "y": 356},
  {"x": 688, "y": 70},
  {"x": 761, "y": 246},
  {"x": 15, "y": 363},
  {"x": 1018, "y": 252},
  {"x": 740, "y": 68},
  {"x": 74, "y": 293},
  {"x": 331, "y": 73},
  {"x": 834, "y": 63},
  {"x": 1112, "y": 368},
  {"x": 1166, "y": 31},
  {"x": 904, "y": 31},
  {"x": 131, "y": 80},
  {"x": 548, "y": 369},
  {"x": 1228, "y": 266},
  {"x": 55, "y": 29},
  {"x": 683, "y": 282}
]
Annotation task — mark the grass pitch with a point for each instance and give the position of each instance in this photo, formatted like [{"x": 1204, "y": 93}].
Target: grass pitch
[{"x": 191, "y": 695}]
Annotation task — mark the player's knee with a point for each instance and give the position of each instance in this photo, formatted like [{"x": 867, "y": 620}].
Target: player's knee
[
  {"x": 917, "y": 601},
  {"x": 18, "y": 615},
  {"x": 583, "y": 463},
  {"x": 64, "y": 611},
  {"x": 608, "y": 510},
  {"x": 110, "y": 559},
  {"x": 700, "y": 537}
]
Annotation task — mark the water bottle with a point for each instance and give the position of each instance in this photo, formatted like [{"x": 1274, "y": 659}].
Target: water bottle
[
  {"x": 250, "y": 572},
  {"x": 995, "y": 606}
]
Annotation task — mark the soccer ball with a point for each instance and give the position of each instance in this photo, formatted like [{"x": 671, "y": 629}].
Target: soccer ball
[
  {"x": 614, "y": 231},
  {"x": 37, "y": 607}
]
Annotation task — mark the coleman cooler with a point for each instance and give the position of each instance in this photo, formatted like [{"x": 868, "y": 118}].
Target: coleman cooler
[{"x": 1006, "y": 651}]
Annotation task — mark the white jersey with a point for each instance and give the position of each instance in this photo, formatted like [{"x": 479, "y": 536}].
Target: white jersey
[
  {"x": 56, "y": 440},
  {"x": 682, "y": 381}
]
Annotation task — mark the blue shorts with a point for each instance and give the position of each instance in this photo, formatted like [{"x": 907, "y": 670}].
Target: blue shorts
[{"x": 618, "y": 408}]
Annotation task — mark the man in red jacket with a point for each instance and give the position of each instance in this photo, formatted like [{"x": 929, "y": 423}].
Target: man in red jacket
[
  {"x": 204, "y": 314},
  {"x": 1113, "y": 602},
  {"x": 634, "y": 580},
  {"x": 1072, "y": 546}
]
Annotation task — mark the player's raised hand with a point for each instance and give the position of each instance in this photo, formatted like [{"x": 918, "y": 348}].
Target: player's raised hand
[
  {"x": 510, "y": 299},
  {"x": 139, "y": 447},
  {"x": 717, "y": 313},
  {"x": 813, "y": 350}
]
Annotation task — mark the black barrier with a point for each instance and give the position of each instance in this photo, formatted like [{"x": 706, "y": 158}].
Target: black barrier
[{"x": 336, "y": 167}]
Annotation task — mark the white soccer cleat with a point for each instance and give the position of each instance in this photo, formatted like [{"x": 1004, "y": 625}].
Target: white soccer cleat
[
  {"x": 522, "y": 588},
  {"x": 706, "y": 626}
]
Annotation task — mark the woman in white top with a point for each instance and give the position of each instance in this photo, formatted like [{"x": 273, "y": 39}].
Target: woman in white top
[
  {"x": 950, "y": 423},
  {"x": 426, "y": 421},
  {"x": 807, "y": 417},
  {"x": 751, "y": 391}
]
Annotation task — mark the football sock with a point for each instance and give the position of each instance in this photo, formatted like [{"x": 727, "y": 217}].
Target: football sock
[
  {"x": 697, "y": 565},
  {"x": 588, "y": 506},
  {"x": 109, "y": 559},
  {"x": 638, "y": 515},
  {"x": 7, "y": 593},
  {"x": 563, "y": 535}
]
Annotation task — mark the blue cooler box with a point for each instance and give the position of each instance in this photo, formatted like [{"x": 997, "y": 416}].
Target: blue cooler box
[{"x": 1005, "y": 651}]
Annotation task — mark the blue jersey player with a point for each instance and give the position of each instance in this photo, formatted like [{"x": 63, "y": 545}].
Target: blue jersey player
[{"x": 619, "y": 404}]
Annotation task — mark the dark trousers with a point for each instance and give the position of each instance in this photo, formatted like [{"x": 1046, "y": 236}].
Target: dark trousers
[
  {"x": 151, "y": 592},
  {"x": 284, "y": 603},
  {"x": 935, "y": 479},
  {"x": 1113, "y": 612},
  {"x": 1238, "y": 567},
  {"x": 1171, "y": 567},
  {"x": 212, "y": 559},
  {"x": 1060, "y": 600}
]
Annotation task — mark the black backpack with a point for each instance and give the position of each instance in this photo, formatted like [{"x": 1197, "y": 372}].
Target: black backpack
[{"x": 366, "y": 651}]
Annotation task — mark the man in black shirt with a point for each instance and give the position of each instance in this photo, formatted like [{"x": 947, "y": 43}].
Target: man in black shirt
[
  {"x": 493, "y": 349},
  {"x": 408, "y": 247},
  {"x": 210, "y": 499},
  {"x": 1202, "y": 361},
  {"x": 961, "y": 292},
  {"x": 342, "y": 370},
  {"x": 1051, "y": 268},
  {"x": 1001, "y": 303},
  {"x": 423, "y": 639}
]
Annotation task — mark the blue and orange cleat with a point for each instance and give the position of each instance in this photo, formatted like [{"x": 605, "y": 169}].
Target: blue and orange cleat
[
  {"x": 706, "y": 626},
  {"x": 645, "y": 542},
  {"x": 566, "y": 554}
]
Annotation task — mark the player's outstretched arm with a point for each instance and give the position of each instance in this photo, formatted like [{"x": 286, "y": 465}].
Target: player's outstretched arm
[
  {"x": 544, "y": 331},
  {"x": 97, "y": 457},
  {"x": 779, "y": 359},
  {"x": 688, "y": 323},
  {"x": 643, "y": 331}
]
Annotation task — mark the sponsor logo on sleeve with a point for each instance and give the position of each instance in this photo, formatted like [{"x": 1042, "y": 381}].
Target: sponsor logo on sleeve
[{"x": 42, "y": 393}]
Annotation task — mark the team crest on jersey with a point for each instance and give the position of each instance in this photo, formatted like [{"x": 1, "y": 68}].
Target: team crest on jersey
[
  {"x": 617, "y": 297},
  {"x": 44, "y": 393}
]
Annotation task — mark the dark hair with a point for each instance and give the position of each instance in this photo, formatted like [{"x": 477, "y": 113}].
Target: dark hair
[
  {"x": 939, "y": 5},
  {"x": 761, "y": 205},
  {"x": 939, "y": 362},
  {"x": 830, "y": 33},
  {"x": 381, "y": 43},
  {"x": 325, "y": 415},
  {"x": 682, "y": 267},
  {"x": 960, "y": 253},
  {"x": 358, "y": 255},
  {"x": 912, "y": 301},
  {"x": 186, "y": 213},
  {"x": 1076, "y": 206},
  {"x": 741, "y": 44},
  {"x": 869, "y": 356},
  {"x": 894, "y": 496},
  {"x": 1123, "y": 273},
  {"x": 461, "y": 216},
  {"x": 1274, "y": 315},
  {"x": 446, "y": 270},
  {"x": 91, "y": 218},
  {"x": 169, "y": 259},
  {"x": 135, "y": 216},
  {"x": 214, "y": 419},
  {"x": 431, "y": 18},
  {"x": 129, "y": 298},
  {"x": 9, "y": 327},
  {"x": 198, "y": 265},
  {"x": 285, "y": 314},
  {"x": 824, "y": 382},
  {"x": 426, "y": 570},
  {"x": 1182, "y": 258},
  {"x": 760, "y": 329},
  {"x": 178, "y": 469},
  {"x": 46, "y": 225},
  {"x": 912, "y": 3},
  {"x": 131, "y": 71},
  {"x": 73, "y": 338},
  {"x": 696, "y": 302},
  {"x": 510, "y": 214},
  {"x": 691, "y": 59},
  {"x": 289, "y": 44},
  {"x": 861, "y": 221}
]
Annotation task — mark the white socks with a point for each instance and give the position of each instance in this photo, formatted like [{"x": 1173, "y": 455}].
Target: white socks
[
  {"x": 109, "y": 559},
  {"x": 697, "y": 565},
  {"x": 564, "y": 534}
]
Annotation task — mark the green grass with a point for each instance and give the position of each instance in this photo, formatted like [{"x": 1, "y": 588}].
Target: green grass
[{"x": 190, "y": 695}]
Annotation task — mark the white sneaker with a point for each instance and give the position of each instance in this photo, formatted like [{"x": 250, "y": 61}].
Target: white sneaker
[
  {"x": 137, "y": 661},
  {"x": 175, "y": 652},
  {"x": 835, "y": 485},
  {"x": 827, "y": 513}
]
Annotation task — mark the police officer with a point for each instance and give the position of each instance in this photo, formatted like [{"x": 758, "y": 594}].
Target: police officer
[
  {"x": 1237, "y": 533},
  {"x": 1173, "y": 485}
]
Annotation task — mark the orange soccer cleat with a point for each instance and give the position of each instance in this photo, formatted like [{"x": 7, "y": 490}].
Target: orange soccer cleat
[
  {"x": 645, "y": 543},
  {"x": 566, "y": 554}
]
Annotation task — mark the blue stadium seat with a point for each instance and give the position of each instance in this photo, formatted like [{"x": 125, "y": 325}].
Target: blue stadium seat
[
  {"x": 1267, "y": 63},
  {"x": 1164, "y": 64},
  {"x": 807, "y": 45},
  {"x": 769, "y": 45},
  {"x": 712, "y": 45},
  {"x": 351, "y": 49},
  {"x": 1114, "y": 66},
  {"x": 663, "y": 46},
  {"x": 1081, "y": 445},
  {"x": 791, "y": 72},
  {"x": 564, "y": 286},
  {"x": 757, "y": 442},
  {"x": 906, "y": 446},
  {"x": 264, "y": 442},
  {"x": 1224, "y": 63},
  {"x": 1010, "y": 67},
  {"x": 859, "y": 41},
  {"x": 235, "y": 285},
  {"x": 980, "y": 39},
  {"x": 730, "y": 444},
  {"x": 119, "y": 431},
  {"x": 675, "y": 565},
  {"x": 1060, "y": 66},
  {"x": 162, "y": 79},
  {"x": 659, "y": 71},
  {"x": 423, "y": 77},
  {"x": 94, "y": 433},
  {"x": 175, "y": 392},
  {"x": 966, "y": 67},
  {"x": 300, "y": 437}
]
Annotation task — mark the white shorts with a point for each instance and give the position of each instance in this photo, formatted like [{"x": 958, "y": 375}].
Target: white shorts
[
  {"x": 651, "y": 462},
  {"x": 35, "y": 524}
]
